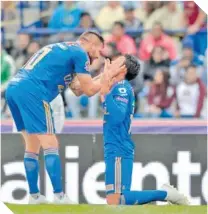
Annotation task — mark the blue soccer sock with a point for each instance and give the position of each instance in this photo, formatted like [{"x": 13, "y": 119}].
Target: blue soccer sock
[
  {"x": 53, "y": 167},
  {"x": 32, "y": 170},
  {"x": 142, "y": 197}
]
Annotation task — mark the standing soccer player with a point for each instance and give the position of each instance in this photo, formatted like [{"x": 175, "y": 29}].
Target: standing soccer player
[
  {"x": 29, "y": 93},
  {"x": 118, "y": 104}
]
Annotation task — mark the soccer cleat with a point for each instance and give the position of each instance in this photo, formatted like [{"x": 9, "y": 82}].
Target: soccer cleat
[
  {"x": 173, "y": 196},
  {"x": 37, "y": 199},
  {"x": 62, "y": 199}
]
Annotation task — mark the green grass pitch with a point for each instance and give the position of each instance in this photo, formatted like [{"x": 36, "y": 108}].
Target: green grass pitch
[{"x": 104, "y": 209}]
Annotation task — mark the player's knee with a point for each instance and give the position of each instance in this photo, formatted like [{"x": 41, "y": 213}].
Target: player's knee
[
  {"x": 31, "y": 143},
  {"x": 113, "y": 199}
]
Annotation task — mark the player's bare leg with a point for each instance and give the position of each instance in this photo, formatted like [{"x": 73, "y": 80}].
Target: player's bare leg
[
  {"x": 50, "y": 145},
  {"x": 32, "y": 143},
  {"x": 32, "y": 148}
]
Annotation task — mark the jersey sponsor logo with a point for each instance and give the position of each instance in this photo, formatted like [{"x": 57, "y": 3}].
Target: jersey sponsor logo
[
  {"x": 122, "y": 91},
  {"x": 122, "y": 99}
]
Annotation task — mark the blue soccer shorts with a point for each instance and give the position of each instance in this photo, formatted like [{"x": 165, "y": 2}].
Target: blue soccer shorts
[
  {"x": 29, "y": 109},
  {"x": 118, "y": 174}
]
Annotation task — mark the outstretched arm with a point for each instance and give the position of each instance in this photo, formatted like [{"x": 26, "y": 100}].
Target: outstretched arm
[{"x": 76, "y": 87}]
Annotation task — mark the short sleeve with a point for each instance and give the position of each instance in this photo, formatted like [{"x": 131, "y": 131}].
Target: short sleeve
[{"x": 81, "y": 61}]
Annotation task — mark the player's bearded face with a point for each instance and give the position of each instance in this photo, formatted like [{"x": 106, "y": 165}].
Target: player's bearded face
[
  {"x": 94, "y": 52},
  {"x": 94, "y": 48}
]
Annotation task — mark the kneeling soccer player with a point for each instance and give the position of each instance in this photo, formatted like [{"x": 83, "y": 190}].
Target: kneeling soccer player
[{"x": 118, "y": 104}]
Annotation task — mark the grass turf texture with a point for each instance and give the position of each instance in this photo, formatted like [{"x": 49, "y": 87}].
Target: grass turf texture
[{"x": 104, "y": 209}]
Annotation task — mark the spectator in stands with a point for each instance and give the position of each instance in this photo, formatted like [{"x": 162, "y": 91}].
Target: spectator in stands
[
  {"x": 146, "y": 8},
  {"x": 20, "y": 51},
  {"x": 179, "y": 66},
  {"x": 161, "y": 95},
  {"x": 131, "y": 21},
  {"x": 124, "y": 43},
  {"x": 178, "y": 70},
  {"x": 170, "y": 16},
  {"x": 86, "y": 21},
  {"x": 194, "y": 16},
  {"x": 8, "y": 69},
  {"x": 157, "y": 37},
  {"x": 33, "y": 47},
  {"x": 92, "y": 7},
  {"x": 88, "y": 5},
  {"x": 157, "y": 60},
  {"x": 66, "y": 15},
  {"x": 191, "y": 94},
  {"x": 196, "y": 19},
  {"x": 112, "y": 12},
  {"x": 189, "y": 53}
]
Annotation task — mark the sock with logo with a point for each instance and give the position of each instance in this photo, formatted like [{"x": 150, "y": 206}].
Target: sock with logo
[
  {"x": 32, "y": 170},
  {"x": 142, "y": 197},
  {"x": 53, "y": 167}
]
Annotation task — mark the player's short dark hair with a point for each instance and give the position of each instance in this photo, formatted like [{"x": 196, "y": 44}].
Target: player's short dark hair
[
  {"x": 85, "y": 14},
  {"x": 86, "y": 33},
  {"x": 133, "y": 67},
  {"x": 119, "y": 23}
]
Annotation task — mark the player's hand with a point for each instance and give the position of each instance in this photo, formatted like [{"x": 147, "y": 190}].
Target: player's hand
[
  {"x": 105, "y": 79},
  {"x": 116, "y": 67},
  {"x": 75, "y": 86},
  {"x": 114, "y": 71}
]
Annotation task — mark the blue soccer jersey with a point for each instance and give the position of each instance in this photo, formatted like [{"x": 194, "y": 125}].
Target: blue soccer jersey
[
  {"x": 118, "y": 113},
  {"x": 39, "y": 82},
  {"x": 54, "y": 66},
  {"x": 118, "y": 145}
]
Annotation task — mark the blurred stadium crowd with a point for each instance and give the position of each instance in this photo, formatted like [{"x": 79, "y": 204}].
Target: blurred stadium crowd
[{"x": 169, "y": 39}]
